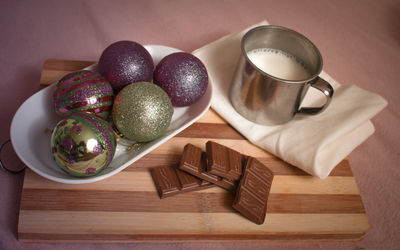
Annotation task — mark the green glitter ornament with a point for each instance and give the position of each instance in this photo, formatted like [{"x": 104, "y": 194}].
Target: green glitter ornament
[{"x": 142, "y": 111}]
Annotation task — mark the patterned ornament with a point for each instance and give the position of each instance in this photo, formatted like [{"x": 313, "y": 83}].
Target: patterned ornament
[
  {"x": 142, "y": 111},
  {"x": 83, "y": 91},
  {"x": 83, "y": 144}
]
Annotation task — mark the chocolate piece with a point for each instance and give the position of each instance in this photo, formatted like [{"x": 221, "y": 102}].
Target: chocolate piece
[
  {"x": 223, "y": 161},
  {"x": 193, "y": 161},
  {"x": 171, "y": 181},
  {"x": 253, "y": 191}
]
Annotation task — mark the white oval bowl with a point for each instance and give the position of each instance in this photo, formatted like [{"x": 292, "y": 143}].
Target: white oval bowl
[{"x": 32, "y": 143}]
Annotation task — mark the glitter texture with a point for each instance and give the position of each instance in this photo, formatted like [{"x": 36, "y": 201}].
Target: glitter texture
[
  {"x": 126, "y": 62},
  {"x": 83, "y": 91},
  {"x": 142, "y": 111},
  {"x": 183, "y": 76}
]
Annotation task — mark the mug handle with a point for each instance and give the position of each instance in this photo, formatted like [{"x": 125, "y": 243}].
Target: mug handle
[{"x": 326, "y": 89}]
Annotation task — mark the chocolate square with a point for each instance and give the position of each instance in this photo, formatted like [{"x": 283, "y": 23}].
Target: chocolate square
[
  {"x": 193, "y": 161},
  {"x": 253, "y": 191},
  {"x": 223, "y": 161},
  {"x": 171, "y": 181}
]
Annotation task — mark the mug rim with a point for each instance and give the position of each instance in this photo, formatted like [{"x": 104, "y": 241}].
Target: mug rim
[{"x": 312, "y": 77}]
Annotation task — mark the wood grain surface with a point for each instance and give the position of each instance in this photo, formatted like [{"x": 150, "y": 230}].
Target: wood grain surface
[{"x": 126, "y": 207}]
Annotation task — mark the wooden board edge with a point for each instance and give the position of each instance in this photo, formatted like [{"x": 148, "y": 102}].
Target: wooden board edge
[{"x": 102, "y": 238}]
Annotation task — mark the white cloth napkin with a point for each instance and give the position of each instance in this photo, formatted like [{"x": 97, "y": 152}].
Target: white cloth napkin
[{"x": 315, "y": 144}]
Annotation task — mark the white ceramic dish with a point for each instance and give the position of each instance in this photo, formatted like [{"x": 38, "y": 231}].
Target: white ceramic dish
[{"x": 32, "y": 143}]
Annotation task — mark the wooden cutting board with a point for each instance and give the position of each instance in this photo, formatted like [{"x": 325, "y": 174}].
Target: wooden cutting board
[{"x": 126, "y": 207}]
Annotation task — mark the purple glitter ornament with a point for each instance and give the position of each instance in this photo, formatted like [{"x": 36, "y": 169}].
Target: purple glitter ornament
[
  {"x": 183, "y": 76},
  {"x": 126, "y": 62}
]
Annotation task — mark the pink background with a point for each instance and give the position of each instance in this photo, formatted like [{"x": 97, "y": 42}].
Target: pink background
[{"x": 359, "y": 40}]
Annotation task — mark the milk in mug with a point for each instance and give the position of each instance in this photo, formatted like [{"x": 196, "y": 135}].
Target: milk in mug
[{"x": 278, "y": 63}]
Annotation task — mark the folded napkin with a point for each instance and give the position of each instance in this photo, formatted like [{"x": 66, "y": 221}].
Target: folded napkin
[{"x": 315, "y": 144}]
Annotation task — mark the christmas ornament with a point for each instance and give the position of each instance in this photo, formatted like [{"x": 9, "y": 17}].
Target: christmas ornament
[
  {"x": 126, "y": 62},
  {"x": 142, "y": 111},
  {"x": 83, "y": 144},
  {"x": 183, "y": 76},
  {"x": 83, "y": 91}
]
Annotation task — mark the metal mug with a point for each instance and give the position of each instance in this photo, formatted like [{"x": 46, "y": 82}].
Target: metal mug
[{"x": 266, "y": 99}]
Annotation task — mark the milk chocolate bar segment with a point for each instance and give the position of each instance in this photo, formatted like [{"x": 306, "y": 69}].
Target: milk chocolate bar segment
[
  {"x": 193, "y": 161},
  {"x": 166, "y": 181},
  {"x": 223, "y": 161},
  {"x": 187, "y": 181},
  {"x": 170, "y": 181},
  {"x": 253, "y": 191}
]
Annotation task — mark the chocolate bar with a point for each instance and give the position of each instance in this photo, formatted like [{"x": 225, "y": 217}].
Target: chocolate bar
[
  {"x": 223, "y": 161},
  {"x": 193, "y": 161},
  {"x": 253, "y": 191},
  {"x": 171, "y": 181}
]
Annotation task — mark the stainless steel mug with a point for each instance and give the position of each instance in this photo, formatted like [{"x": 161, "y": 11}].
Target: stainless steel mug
[{"x": 265, "y": 98}]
